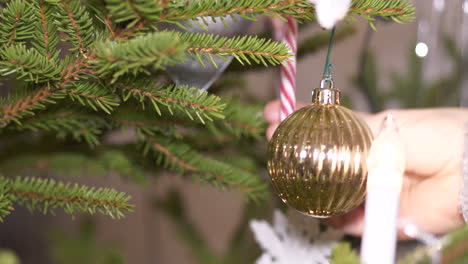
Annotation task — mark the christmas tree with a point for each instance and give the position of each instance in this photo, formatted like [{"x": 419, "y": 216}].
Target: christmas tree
[{"x": 76, "y": 72}]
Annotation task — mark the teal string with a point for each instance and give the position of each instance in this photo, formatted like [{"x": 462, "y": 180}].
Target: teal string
[{"x": 327, "y": 70}]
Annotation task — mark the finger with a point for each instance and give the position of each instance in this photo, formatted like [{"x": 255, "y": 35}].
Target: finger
[
  {"x": 271, "y": 112},
  {"x": 421, "y": 131},
  {"x": 372, "y": 121},
  {"x": 351, "y": 223},
  {"x": 421, "y": 197},
  {"x": 271, "y": 130}
]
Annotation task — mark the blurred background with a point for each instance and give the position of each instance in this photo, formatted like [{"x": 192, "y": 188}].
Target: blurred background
[{"x": 418, "y": 64}]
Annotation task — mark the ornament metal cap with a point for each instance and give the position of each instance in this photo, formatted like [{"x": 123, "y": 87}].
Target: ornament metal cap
[{"x": 326, "y": 95}]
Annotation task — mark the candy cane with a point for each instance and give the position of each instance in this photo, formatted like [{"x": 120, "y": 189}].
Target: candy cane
[{"x": 287, "y": 32}]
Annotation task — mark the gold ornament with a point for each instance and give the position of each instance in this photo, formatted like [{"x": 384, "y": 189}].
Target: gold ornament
[{"x": 317, "y": 157}]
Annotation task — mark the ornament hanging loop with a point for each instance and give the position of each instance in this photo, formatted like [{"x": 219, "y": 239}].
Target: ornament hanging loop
[{"x": 326, "y": 83}]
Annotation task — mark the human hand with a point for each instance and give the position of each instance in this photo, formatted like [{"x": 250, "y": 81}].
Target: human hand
[{"x": 433, "y": 140}]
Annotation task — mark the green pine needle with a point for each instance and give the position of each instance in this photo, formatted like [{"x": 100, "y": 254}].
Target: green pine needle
[
  {"x": 68, "y": 163},
  {"x": 17, "y": 23},
  {"x": 147, "y": 123},
  {"x": 46, "y": 31},
  {"x": 74, "y": 21},
  {"x": 138, "y": 11},
  {"x": 194, "y": 103},
  {"x": 243, "y": 120},
  {"x": 157, "y": 49},
  {"x": 165, "y": 48},
  {"x": 6, "y": 205},
  {"x": 344, "y": 254},
  {"x": 398, "y": 10},
  {"x": 82, "y": 126},
  {"x": 24, "y": 102},
  {"x": 181, "y": 158},
  {"x": 93, "y": 95},
  {"x": 46, "y": 195},
  {"x": 144, "y": 11},
  {"x": 28, "y": 64},
  {"x": 246, "y": 49}
]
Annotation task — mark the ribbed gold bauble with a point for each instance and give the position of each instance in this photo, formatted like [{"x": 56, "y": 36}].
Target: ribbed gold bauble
[{"x": 317, "y": 157}]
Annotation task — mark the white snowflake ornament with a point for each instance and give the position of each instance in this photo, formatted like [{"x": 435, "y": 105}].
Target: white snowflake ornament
[
  {"x": 294, "y": 240},
  {"x": 329, "y": 12}
]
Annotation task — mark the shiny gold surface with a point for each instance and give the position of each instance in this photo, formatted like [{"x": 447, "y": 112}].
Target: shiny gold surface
[{"x": 317, "y": 160}]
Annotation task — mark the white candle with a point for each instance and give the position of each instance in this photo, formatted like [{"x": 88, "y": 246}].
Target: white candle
[{"x": 386, "y": 165}]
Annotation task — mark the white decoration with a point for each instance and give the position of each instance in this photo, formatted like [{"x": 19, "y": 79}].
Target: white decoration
[
  {"x": 329, "y": 12},
  {"x": 297, "y": 240},
  {"x": 386, "y": 165}
]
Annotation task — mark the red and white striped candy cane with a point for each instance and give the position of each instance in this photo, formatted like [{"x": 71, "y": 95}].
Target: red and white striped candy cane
[{"x": 287, "y": 32}]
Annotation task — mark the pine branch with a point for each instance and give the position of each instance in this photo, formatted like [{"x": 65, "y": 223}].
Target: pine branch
[
  {"x": 31, "y": 64},
  {"x": 128, "y": 117},
  {"x": 397, "y": 10},
  {"x": 6, "y": 205},
  {"x": 92, "y": 95},
  {"x": 454, "y": 248},
  {"x": 160, "y": 49},
  {"x": 20, "y": 105},
  {"x": 123, "y": 162},
  {"x": 191, "y": 101},
  {"x": 28, "y": 64},
  {"x": 74, "y": 68},
  {"x": 343, "y": 253},
  {"x": 244, "y": 49},
  {"x": 82, "y": 126},
  {"x": 65, "y": 163},
  {"x": 40, "y": 68},
  {"x": 146, "y": 123},
  {"x": 131, "y": 56},
  {"x": 17, "y": 20},
  {"x": 46, "y": 31},
  {"x": 243, "y": 120},
  {"x": 243, "y": 124},
  {"x": 181, "y": 158},
  {"x": 161, "y": 11},
  {"x": 308, "y": 46},
  {"x": 46, "y": 195},
  {"x": 247, "y": 9},
  {"x": 75, "y": 22},
  {"x": 99, "y": 14},
  {"x": 173, "y": 11},
  {"x": 137, "y": 11}
]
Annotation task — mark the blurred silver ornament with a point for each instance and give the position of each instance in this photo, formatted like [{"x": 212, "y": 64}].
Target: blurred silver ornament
[{"x": 192, "y": 73}]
